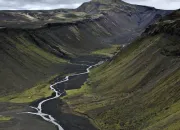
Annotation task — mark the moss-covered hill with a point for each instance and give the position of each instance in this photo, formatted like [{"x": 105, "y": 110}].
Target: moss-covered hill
[
  {"x": 34, "y": 43},
  {"x": 23, "y": 63},
  {"x": 139, "y": 89},
  {"x": 30, "y": 56}
]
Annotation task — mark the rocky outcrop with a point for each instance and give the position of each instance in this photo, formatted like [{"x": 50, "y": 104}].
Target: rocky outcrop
[{"x": 169, "y": 24}]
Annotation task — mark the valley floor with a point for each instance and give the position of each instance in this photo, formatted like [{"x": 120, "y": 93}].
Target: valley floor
[{"x": 12, "y": 106}]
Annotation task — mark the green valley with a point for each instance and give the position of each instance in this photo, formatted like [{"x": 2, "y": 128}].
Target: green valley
[
  {"x": 137, "y": 89},
  {"x": 106, "y": 65}
]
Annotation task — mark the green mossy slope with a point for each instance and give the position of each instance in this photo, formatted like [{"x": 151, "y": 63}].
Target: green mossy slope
[
  {"x": 137, "y": 89},
  {"x": 5, "y": 118},
  {"x": 40, "y": 90},
  {"x": 109, "y": 52},
  {"x": 23, "y": 64}
]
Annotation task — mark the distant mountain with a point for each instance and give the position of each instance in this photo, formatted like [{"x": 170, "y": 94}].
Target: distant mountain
[{"x": 129, "y": 20}]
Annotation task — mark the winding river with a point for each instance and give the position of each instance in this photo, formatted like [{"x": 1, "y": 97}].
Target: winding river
[{"x": 39, "y": 108}]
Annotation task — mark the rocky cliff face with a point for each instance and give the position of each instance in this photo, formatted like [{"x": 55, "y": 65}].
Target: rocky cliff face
[
  {"x": 169, "y": 24},
  {"x": 129, "y": 20}
]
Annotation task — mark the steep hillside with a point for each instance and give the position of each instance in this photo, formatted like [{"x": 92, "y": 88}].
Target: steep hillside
[
  {"x": 35, "y": 41},
  {"x": 23, "y": 63},
  {"x": 29, "y": 56},
  {"x": 139, "y": 88},
  {"x": 127, "y": 21},
  {"x": 169, "y": 24},
  {"x": 122, "y": 22}
]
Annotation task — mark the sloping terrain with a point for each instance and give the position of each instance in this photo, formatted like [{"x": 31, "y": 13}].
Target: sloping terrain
[
  {"x": 138, "y": 89},
  {"x": 31, "y": 40},
  {"x": 37, "y": 46},
  {"x": 23, "y": 63},
  {"x": 39, "y": 18},
  {"x": 122, "y": 21},
  {"x": 127, "y": 21},
  {"x": 29, "y": 55}
]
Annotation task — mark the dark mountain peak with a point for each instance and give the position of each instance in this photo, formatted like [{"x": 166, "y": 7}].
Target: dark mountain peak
[
  {"x": 108, "y": 1},
  {"x": 99, "y": 6},
  {"x": 118, "y": 6}
]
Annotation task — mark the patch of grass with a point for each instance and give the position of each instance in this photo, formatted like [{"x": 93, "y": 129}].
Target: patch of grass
[
  {"x": 108, "y": 51},
  {"x": 74, "y": 17},
  {"x": 30, "y": 95},
  {"x": 84, "y": 90},
  {"x": 41, "y": 90},
  {"x": 31, "y": 49},
  {"x": 5, "y": 118},
  {"x": 86, "y": 93}
]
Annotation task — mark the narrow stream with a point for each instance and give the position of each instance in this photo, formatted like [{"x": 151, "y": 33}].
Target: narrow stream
[{"x": 39, "y": 108}]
